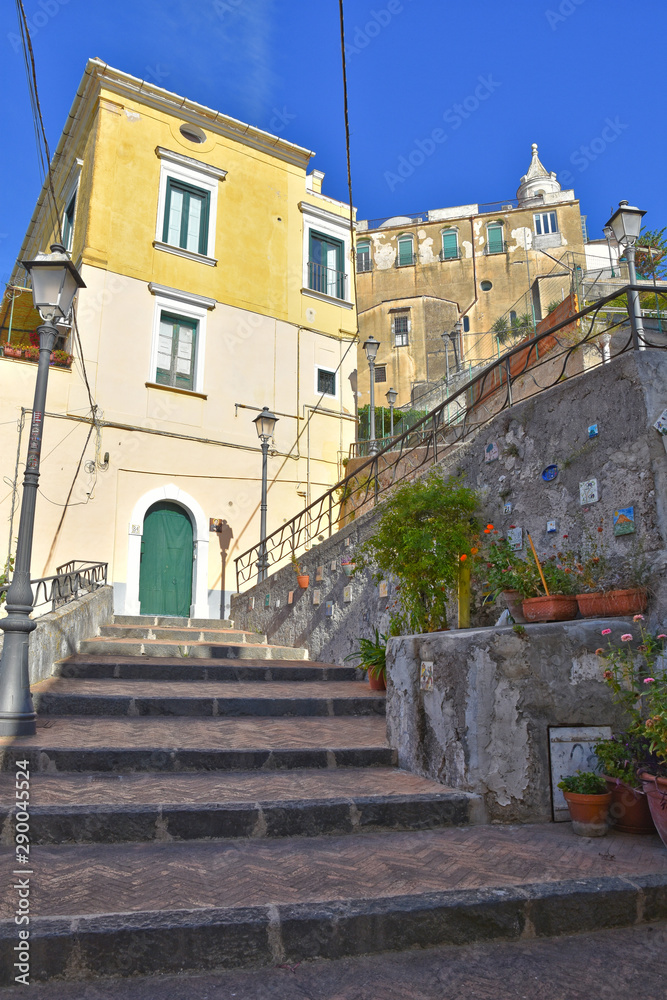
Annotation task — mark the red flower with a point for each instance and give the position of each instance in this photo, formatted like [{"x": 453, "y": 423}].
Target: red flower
[{"x": 600, "y": 529}]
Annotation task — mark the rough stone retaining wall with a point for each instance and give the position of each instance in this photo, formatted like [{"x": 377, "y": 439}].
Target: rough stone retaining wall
[
  {"x": 483, "y": 728},
  {"x": 628, "y": 458},
  {"x": 59, "y": 633}
]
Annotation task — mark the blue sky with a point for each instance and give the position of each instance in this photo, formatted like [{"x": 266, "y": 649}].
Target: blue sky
[{"x": 579, "y": 77}]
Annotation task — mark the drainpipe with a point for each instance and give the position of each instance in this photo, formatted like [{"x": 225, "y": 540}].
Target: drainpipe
[{"x": 474, "y": 274}]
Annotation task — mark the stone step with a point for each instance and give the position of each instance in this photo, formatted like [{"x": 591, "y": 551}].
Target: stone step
[
  {"x": 133, "y": 909},
  {"x": 97, "y": 808},
  {"x": 141, "y": 621},
  {"x": 182, "y": 635},
  {"x": 191, "y": 650},
  {"x": 59, "y": 696},
  {"x": 122, "y": 745},
  {"x": 203, "y": 668}
]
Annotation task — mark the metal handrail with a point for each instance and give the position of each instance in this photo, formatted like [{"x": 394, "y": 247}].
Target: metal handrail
[
  {"x": 67, "y": 584},
  {"x": 496, "y": 248},
  {"x": 326, "y": 280},
  {"x": 472, "y": 405}
]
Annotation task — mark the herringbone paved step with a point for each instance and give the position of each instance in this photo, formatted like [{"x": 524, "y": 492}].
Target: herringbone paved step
[
  {"x": 78, "y": 743},
  {"x": 108, "y": 909},
  {"x": 58, "y": 696},
  {"x": 213, "y": 650},
  {"x": 111, "y": 809},
  {"x": 186, "y": 668},
  {"x": 226, "y": 636}
]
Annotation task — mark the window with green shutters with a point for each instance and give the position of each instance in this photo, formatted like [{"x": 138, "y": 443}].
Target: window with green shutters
[
  {"x": 176, "y": 356},
  {"x": 450, "y": 244},
  {"x": 405, "y": 251},
  {"x": 494, "y": 238},
  {"x": 325, "y": 265},
  {"x": 186, "y": 217}
]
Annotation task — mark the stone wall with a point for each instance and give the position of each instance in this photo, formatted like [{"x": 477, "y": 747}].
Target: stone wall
[
  {"x": 59, "y": 633},
  {"x": 628, "y": 459},
  {"x": 484, "y": 726}
]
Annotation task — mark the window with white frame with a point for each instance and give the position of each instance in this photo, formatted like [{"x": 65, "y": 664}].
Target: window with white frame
[
  {"x": 326, "y": 248},
  {"x": 401, "y": 329},
  {"x": 405, "y": 254},
  {"x": 450, "y": 244},
  {"x": 494, "y": 238},
  {"x": 187, "y": 206},
  {"x": 325, "y": 265},
  {"x": 364, "y": 260},
  {"x": 325, "y": 381},
  {"x": 179, "y": 338},
  {"x": 545, "y": 223},
  {"x": 68, "y": 222}
]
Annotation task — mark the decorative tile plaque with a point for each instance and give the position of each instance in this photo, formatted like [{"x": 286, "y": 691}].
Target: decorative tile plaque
[
  {"x": 426, "y": 676},
  {"x": 588, "y": 492}
]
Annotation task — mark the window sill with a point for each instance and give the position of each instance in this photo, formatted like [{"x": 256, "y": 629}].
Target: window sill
[
  {"x": 179, "y": 252},
  {"x": 173, "y": 388},
  {"x": 326, "y": 298}
]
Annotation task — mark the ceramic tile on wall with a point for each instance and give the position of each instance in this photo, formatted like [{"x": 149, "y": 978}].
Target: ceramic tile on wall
[
  {"x": 624, "y": 521},
  {"x": 588, "y": 491}
]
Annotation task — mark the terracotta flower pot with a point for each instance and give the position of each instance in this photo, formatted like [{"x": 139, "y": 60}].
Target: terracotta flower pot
[
  {"x": 555, "y": 608},
  {"x": 613, "y": 603},
  {"x": 303, "y": 581},
  {"x": 589, "y": 813},
  {"x": 629, "y": 811},
  {"x": 12, "y": 352},
  {"x": 656, "y": 793},
  {"x": 377, "y": 683},
  {"x": 348, "y": 568},
  {"x": 514, "y": 602}
]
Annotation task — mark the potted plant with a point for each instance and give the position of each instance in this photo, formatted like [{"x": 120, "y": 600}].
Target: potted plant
[
  {"x": 348, "y": 566},
  {"x": 600, "y": 596},
  {"x": 588, "y": 800},
  {"x": 11, "y": 351},
  {"x": 372, "y": 657},
  {"x": 303, "y": 579},
  {"x": 559, "y": 604},
  {"x": 619, "y": 759},
  {"x": 506, "y": 573}
]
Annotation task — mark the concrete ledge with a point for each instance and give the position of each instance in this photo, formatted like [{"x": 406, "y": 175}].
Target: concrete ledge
[
  {"x": 154, "y": 942},
  {"x": 60, "y": 633}
]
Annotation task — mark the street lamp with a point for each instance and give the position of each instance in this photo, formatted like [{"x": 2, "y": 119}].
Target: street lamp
[
  {"x": 55, "y": 282},
  {"x": 626, "y": 224},
  {"x": 608, "y": 233},
  {"x": 455, "y": 337},
  {"x": 391, "y": 399},
  {"x": 371, "y": 348},
  {"x": 265, "y": 423}
]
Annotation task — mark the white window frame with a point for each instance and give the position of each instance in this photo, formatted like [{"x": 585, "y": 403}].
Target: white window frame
[
  {"x": 71, "y": 190},
  {"x": 449, "y": 229},
  {"x": 193, "y": 307},
  {"x": 406, "y": 333},
  {"x": 322, "y": 221},
  {"x": 538, "y": 220},
  {"x": 199, "y": 175},
  {"x": 329, "y": 371},
  {"x": 405, "y": 238}
]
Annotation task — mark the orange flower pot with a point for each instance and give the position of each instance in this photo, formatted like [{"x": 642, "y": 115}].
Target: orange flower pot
[
  {"x": 377, "y": 683},
  {"x": 656, "y": 792},
  {"x": 303, "y": 581},
  {"x": 614, "y": 603},
  {"x": 555, "y": 608},
  {"x": 589, "y": 813},
  {"x": 629, "y": 811}
]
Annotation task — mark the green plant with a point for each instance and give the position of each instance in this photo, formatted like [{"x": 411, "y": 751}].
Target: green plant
[
  {"x": 424, "y": 527},
  {"x": 623, "y": 755},
  {"x": 584, "y": 783},
  {"x": 512, "y": 449},
  {"x": 505, "y": 569},
  {"x": 296, "y": 565},
  {"x": 520, "y": 631},
  {"x": 552, "y": 306},
  {"x": 372, "y": 656}
]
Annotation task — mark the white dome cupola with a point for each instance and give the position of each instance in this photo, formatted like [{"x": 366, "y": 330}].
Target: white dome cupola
[{"x": 537, "y": 182}]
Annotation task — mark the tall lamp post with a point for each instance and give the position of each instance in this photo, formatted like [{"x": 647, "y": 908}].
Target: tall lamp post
[
  {"x": 391, "y": 399},
  {"x": 608, "y": 233},
  {"x": 626, "y": 225},
  {"x": 265, "y": 423},
  {"x": 55, "y": 282},
  {"x": 371, "y": 348},
  {"x": 455, "y": 337}
]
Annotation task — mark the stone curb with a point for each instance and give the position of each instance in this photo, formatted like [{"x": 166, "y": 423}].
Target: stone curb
[
  {"x": 178, "y": 941},
  {"x": 184, "y": 669}
]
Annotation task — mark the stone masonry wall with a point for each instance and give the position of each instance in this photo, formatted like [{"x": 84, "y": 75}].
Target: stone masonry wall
[{"x": 628, "y": 459}]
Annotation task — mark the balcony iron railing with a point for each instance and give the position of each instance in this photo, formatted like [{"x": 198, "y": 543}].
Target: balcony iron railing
[
  {"x": 364, "y": 263},
  {"x": 326, "y": 280},
  {"x": 528, "y": 368},
  {"x": 450, "y": 254},
  {"x": 496, "y": 247},
  {"x": 70, "y": 581},
  {"x": 404, "y": 260}
]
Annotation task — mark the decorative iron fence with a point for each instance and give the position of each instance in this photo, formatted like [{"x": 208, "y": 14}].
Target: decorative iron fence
[
  {"x": 326, "y": 280},
  {"x": 70, "y": 581},
  {"x": 581, "y": 341}
]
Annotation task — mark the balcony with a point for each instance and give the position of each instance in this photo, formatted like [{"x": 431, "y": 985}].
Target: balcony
[
  {"x": 364, "y": 263},
  {"x": 495, "y": 247},
  {"x": 450, "y": 254},
  {"x": 404, "y": 260},
  {"x": 326, "y": 281}
]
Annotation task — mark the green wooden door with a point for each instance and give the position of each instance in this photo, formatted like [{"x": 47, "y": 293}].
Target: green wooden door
[{"x": 165, "y": 581}]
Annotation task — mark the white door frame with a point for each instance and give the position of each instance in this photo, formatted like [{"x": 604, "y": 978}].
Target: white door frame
[{"x": 200, "y": 537}]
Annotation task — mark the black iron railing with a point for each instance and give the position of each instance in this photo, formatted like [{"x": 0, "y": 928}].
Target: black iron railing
[
  {"x": 405, "y": 259},
  {"x": 70, "y": 581},
  {"x": 495, "y": 247},
  {"x": 326, "y": 280},
  {"x": 450, "y": 254},
  {"x": 579, "y": 342}
]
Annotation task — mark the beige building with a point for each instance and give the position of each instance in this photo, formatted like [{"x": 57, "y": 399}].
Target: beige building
[
  {"x": 419, "y": 276},
  {"x": 217, "y": 282}
]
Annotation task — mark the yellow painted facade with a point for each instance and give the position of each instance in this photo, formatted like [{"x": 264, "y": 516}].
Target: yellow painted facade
[{"x": 266, "y": 327}]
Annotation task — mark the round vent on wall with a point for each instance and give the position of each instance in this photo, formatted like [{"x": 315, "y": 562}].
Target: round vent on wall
[
  {"x": 192, "y": 133},
  {"x": 486, "y": 286}
]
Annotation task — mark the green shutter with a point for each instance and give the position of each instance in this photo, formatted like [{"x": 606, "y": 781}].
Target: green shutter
[
  {"x": 405, "y": 251},
  {"x": 494, "y": 237},
  {"x": 450, "y": 244},
  {"x": 186, "y": 217}
]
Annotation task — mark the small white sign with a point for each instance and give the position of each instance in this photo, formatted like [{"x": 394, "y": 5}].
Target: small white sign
[
  {"x": 515, "y": 538},
  {"x": 571, "y": 750},
  {"x": 135, "y": 529}
]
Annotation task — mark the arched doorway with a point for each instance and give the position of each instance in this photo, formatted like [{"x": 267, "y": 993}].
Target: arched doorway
[{"x": 167, "y": 552}]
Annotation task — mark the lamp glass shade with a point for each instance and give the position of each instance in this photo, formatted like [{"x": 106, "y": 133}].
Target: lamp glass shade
[
  {"x": 626, "y": 223},
  {"x": 608, "y": 231},
  {"x": 55, "y": 282},
  {"x": 371, "y": 348},
  {"x": 265, "y": 423},
  {"x": 392, "y": 395}
]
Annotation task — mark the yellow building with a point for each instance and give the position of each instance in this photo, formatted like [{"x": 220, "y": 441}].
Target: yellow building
[
  {"x": 217, "y": 282},
  {"x": 420, "y": 276}
]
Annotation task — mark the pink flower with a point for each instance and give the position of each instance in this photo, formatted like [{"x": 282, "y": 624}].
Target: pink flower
[
  {"x": 638, "y": 618},
  {"x": 627, "y": 637},
  {"x": 649, "y": 680},
  {"x": 605, "y": 631},
  {"x": 662, "y": 636}
]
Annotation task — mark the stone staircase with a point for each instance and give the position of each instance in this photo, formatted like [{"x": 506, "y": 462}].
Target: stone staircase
[{"x": 200, "y": 799}]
